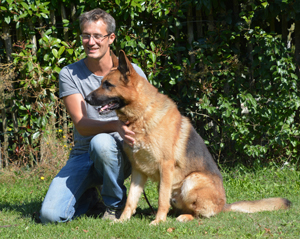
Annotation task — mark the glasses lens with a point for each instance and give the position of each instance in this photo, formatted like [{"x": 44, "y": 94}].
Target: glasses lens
[
  {"x": 97, "y": 37},
  {"x": 85, "y": 37}
]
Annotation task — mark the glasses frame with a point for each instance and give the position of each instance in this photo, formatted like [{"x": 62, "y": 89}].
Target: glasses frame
[{"x": 96, "y": 40}]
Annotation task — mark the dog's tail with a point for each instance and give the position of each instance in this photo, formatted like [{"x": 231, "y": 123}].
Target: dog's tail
[{"x": 267, "y": 204}]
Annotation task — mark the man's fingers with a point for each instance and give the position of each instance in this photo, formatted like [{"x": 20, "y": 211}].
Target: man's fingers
[
  {"x": 129, "y": 140},
  {"x": 126, "y": 133},
  {"x": 129, "y": 132}
]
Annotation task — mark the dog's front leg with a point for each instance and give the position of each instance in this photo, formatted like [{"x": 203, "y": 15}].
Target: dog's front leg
[
  {"x": 137, "y": 184},
  {"x": 165, "y": 188}
]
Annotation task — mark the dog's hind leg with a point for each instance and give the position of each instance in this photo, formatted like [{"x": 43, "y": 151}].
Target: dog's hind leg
[
  {"x": 138, "y": 181},
  {"x": 201, "y": 195}
]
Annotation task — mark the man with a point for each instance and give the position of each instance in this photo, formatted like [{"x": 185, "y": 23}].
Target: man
[{"x": 97, "y": 157}]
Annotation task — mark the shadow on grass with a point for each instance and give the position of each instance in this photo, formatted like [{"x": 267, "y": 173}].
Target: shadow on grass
[
  {"x": 31, "y": 210},
  {"x": 26, "y": 209},
  {"x": 148, "y": 213}
]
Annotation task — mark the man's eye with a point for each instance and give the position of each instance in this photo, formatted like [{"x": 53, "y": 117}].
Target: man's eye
[{"x": 96, "y": 36}]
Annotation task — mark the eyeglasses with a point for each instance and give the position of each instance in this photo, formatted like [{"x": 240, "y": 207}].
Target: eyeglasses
[{"x": 97, "y": 37}]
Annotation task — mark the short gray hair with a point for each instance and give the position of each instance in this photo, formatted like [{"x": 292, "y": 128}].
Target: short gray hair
[{"x": 98, "y": 14}]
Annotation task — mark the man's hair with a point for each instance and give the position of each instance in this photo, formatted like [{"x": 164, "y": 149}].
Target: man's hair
[{"x": 98, "y": 14}]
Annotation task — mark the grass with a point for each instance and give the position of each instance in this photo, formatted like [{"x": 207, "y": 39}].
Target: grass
[{"x": 22, "y": 193}]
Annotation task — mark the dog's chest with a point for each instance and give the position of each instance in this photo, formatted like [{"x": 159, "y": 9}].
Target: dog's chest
[{"x": 144, "y": 159}]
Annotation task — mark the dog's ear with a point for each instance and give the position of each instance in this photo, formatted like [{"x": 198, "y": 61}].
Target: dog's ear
[
  {"x": 125, "y": 66},
  {"x": 114, "y": 59}
]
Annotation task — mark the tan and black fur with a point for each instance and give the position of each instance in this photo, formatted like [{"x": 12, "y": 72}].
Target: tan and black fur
[{"x": 167, "y": 150}]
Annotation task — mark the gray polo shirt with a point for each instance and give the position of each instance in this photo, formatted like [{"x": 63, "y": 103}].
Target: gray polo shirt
[{"x": 77, "y": 78}]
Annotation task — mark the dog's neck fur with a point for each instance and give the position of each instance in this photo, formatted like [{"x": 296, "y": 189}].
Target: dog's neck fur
[
  {"x": 139, "y": 115},
  {"x": 134, "y": 110}
]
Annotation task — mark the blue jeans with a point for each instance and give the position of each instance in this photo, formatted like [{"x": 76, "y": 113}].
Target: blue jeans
[{"x": 104, "y": 164}]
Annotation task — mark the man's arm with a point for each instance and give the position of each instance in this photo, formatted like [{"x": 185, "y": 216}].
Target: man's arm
[{"x": 75, "y": 105}]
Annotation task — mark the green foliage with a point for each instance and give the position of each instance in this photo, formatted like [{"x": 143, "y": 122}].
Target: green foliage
[
  {"x": 240, "y": 91},
  {"x": 254, "y": 116},
  {"x": 39, "y": 85}
]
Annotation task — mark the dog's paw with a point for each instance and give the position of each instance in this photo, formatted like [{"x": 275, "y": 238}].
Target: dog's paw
[
  {"x": 185, "y": 218},
  {"x": 154, "y": 223},
  {"x": 117, "y": 221},
  {"x": 114, "y": 221}
]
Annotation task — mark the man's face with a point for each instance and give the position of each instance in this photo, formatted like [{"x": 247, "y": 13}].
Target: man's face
[{"x": 96, "y": 48}]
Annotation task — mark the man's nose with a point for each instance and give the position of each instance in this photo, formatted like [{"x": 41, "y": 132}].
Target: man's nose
[{"x": 92, "y": 40}]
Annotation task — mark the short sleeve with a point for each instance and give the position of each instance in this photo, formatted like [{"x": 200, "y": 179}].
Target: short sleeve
[
  {"x": 139, "y": 70},
  {"x": 67, "y": 85}
]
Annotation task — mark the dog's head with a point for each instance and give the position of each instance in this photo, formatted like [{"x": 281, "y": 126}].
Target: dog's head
[{"x": 118, "y": 88}]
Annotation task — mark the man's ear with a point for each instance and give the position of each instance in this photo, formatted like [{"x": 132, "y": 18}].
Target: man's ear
[
  {"x": 111, "y": 38},
  {"x": 125, "y": 66},
  {"x": 114, "y": 59}
]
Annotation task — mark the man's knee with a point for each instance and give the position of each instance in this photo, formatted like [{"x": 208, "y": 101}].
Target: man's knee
[
  {"x": 104, "y": 148},
  {"x": 51, "y": 215},
  {"x": 58, "y": 203},
  {"x": 46, "y": 215}
]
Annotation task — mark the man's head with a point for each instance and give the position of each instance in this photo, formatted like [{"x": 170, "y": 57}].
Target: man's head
[
  {"x": 97, "y": 28},
  {"x": 98, "y": 14}
]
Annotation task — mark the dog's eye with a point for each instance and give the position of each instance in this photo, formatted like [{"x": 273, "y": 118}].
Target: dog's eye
[{"x": 107, "y": 85}]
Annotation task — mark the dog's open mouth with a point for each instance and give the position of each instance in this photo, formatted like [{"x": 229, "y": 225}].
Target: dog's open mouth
[
  {"x": 104, "y": 104},
  {"x": 110, "y": 106}
]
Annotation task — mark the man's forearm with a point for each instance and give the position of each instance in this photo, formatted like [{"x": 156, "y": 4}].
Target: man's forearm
[{"x": 89, "y": 127}]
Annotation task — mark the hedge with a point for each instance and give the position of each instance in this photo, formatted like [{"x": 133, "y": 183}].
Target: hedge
[{"x": 230, "y": 66}]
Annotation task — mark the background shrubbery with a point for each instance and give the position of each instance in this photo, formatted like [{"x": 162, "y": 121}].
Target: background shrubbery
[{"x": 232, "y": 67}]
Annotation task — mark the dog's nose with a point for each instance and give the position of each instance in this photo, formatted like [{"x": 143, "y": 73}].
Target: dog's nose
[{"x": 90, "y": 99}]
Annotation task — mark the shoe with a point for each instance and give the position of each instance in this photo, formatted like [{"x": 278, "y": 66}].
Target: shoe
[
  {"x": 36, "y": 217},
  {"x": 98, "y": 209},
  {"x": 112, "y": 213}
]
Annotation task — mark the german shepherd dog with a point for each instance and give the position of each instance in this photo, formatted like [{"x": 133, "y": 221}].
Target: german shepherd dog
[{"x": 167, "y": 150}]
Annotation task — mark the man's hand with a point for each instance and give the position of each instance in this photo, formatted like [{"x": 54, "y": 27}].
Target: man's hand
[{"x": 126, "y": 133}]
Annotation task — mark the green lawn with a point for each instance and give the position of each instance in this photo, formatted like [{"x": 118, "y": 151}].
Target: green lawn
[{"x": 21, "y": 194}]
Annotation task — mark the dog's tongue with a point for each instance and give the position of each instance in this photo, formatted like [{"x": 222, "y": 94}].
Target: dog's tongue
[{"x": 103, "y": 108}]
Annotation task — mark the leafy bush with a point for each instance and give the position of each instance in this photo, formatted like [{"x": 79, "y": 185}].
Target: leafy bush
[
  {"x": 246, "y": 118},
  {"x": 235, "y": 81}
]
